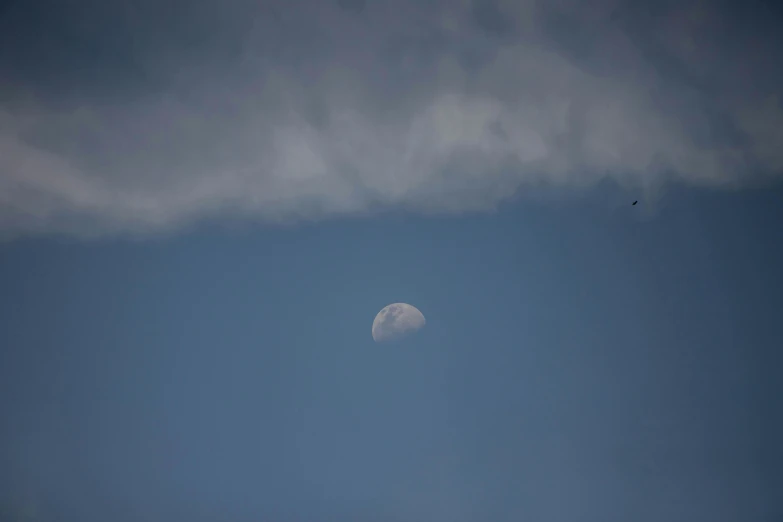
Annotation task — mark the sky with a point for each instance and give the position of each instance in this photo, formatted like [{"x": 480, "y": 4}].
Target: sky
[{"x": 203, "y": 206}]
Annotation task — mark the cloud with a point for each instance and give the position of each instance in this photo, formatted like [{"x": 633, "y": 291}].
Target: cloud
[{"x": 144, "y": 117}]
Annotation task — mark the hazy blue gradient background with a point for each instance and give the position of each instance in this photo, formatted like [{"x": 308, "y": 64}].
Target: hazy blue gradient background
[
  {"x": 204, "y": 203},
  {"x": 579, "y": 363}
]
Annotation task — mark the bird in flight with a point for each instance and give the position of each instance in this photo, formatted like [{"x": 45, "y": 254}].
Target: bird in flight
[{"x": 634, "y": 203}]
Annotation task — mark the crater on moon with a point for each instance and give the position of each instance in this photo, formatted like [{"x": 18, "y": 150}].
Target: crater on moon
[{"x": 395, "y": 321}]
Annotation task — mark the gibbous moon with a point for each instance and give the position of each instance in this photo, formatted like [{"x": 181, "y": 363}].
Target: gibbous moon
[{"x": 395, "y": 321}]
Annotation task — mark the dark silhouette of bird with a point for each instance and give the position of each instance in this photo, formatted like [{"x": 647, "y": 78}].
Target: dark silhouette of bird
[{"x": 634, "y": 203}]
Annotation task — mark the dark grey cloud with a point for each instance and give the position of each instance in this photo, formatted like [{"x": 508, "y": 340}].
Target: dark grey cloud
[{"x": 145, "y": 116}]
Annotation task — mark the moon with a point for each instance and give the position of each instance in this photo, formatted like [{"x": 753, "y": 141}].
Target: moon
[{"x": 395, "y": 321}]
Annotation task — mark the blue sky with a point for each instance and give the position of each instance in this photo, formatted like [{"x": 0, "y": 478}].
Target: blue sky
[
  {"x": 578, "y": 363},
  {"x": 204, "y": 204}
]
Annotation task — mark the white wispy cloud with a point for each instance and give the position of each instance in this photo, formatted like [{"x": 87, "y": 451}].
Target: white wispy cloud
[{"x": 146, "y": 120}]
